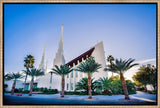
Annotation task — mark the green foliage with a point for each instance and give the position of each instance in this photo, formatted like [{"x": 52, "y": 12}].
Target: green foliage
[
  {"x": 29, "y": 61},
  {"x": 105, "y": 83},
  {"x": 131, "y": 87},
  {"x": 154, "y": 91},
  {"x": 36, "y": 72},
  {"x": 146, "y": 75},
  {"x": 62, "y": 70},
  {"x": 25, "y": 91},
  {"x": 89, "y": 66},
  {"x": 5, "y": 86},
  {"x": 120, "y": 66},
  {"x": 18, "y": 90},
  {"x": 83, "y": 84},
  {"x": 13, "y": 76},
  {"x": 45, "y": 90},
  {"x": 110, "y": 59},
  {"x": 105, "y": 86}
]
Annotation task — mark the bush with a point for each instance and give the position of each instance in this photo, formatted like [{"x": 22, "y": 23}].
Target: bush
[
  {"x": 36, "y": 89},
  {"x": 5, "y": 86},
  {"x": 45, "y": 90},
  {"x": 154, "y": 92},
  {"x": 26, "y": 91},
  {"x": 140, "y": 88},
  {"x": 20, "y": 90},
  {"x": 83, "y": 93},
  {"x": 131, "y": 87},
  {"x": 16, "y": 90}
]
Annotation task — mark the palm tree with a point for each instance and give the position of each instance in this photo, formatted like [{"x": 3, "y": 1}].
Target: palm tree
[
  {"x": 26, "y": 74},
  {"x": 14, "y": 77},
  {"x": 83, "y": 84},
  {"x": 110, "y": 59},
  {"x": 106, "y": 83},
  {"x": 34, "y": 73},
  {"x": 28, "y": 64},
  {"x": 89, "y": 66},
  {"x": 121, "y": 67},
  {"x": 62, "y": 71}
]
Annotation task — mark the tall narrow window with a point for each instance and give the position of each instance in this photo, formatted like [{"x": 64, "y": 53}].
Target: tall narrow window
[
  {"x": 76, "y": 74},
  {"x": 67, "y": 86},
  {"x": 67, "y": 75},
  {"x": 72, "y": 74},
  {"x": 71, "y": 86}
]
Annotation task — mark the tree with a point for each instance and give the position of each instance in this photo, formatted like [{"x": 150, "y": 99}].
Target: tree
[
  {"x": 62, "y": 71},
  {"x": 106, "y": 83},
  {"x": 121, "y": 67},
  {"x": 34, "y": 73},
  {"x": 110, "y": 59},
  {"x": 146, "y": 75},
  {"x": 83, "y": 84},
  {"x": 89, "y": 66},
  {"x": 28, "y": 64},
  {"x": 14, "y": 77}
]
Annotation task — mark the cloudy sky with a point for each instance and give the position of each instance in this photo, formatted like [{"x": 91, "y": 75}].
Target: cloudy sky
[{"x": 127, "y": 31}]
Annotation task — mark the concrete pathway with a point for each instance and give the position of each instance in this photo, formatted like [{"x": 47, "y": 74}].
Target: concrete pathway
[{"x": 141, "y": 96}]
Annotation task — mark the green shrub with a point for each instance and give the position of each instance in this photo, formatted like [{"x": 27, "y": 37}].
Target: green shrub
[
  {"x": 154, "y": 92},
  {"x": 26, "y": 91},
  {"x": 83, "y": 93},
  {"x": 5, "y": 86},
  {"x": 16, "y": 90}
]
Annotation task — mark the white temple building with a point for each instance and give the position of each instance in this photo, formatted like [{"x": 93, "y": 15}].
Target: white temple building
[{"x": 53, "y": 81}]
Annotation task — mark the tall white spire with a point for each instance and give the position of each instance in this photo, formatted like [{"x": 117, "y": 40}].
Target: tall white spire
[
  {"x": 59, "y": 59},
  {"x": 41, "y": 65}
]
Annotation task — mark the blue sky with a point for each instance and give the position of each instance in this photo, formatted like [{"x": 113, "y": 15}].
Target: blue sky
[{"x": 127, "y": 31}]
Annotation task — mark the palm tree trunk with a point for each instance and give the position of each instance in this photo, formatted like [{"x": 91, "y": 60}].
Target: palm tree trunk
[
  {"x": 124, "y": 87},
  {"x": 89, "y": 87},
  {"x": 25, "y": 83},
  {"x": 31, "y": 86},
  {"x": 63, "y": 82},
  {"x": 51, "y": 78},
  {"x": 13, "y": 87}
]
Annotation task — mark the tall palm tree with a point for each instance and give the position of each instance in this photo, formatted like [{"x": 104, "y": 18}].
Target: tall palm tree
[
  {"x": 89, "y": 66},
  {"x": 34, "y": 73},
  {"x": 62, "y": 71},
  {"x": 28, "y": 64},
  {"x": 26, "y": 74},
  {"x": 110, "y": 59},
  {"x": 14, "y": 77},
  {"x": 121, "y": 67}
]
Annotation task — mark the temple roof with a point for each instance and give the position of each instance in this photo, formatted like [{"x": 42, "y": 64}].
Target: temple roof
[{"x": 79, "y": 58}]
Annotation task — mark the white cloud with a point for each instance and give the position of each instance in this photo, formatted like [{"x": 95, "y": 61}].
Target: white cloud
[
  {"x": 129, "y": 74},
  {"x": 146, "y": 61}
]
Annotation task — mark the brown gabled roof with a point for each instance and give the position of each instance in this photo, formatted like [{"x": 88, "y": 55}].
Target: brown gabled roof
[{"x": 79, "y": 58}]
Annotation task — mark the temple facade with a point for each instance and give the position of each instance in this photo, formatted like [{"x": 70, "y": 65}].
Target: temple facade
[
  {"x": 53, "y": 81},
  {"x": 98, "y": 53}
]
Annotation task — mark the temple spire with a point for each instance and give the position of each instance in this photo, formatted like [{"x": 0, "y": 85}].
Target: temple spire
[
  {"x": 59, "y": 59},
  {"x": 41, "y": 65},
  {"x": 46, "y": 66}
]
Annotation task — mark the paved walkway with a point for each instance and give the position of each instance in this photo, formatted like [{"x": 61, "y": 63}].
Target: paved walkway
[{"x": 142, "y": 97}]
